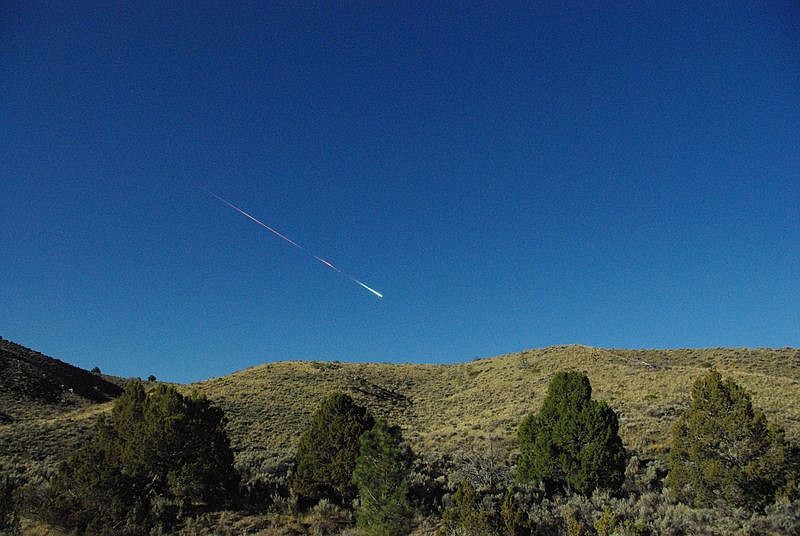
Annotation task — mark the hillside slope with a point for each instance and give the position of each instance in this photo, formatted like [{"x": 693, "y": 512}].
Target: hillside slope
[
  {"x": 444, "y": 407},
  {"x": 46, "y": 405},
  {"x": 31, "y": 376},
  {"x": 440, "y": 407}
]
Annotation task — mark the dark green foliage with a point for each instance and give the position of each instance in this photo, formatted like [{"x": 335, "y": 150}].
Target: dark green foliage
[
  {"x": 465, "y": 515},
  {"x": 157, "y": 448},
  {"x": 573, "y": 444},
  {"x": 151, "y": 378},
  {"x": 381, "y": 476},
  {"x": 724, "y": 452},
  {"x": 327, "y": 450}
]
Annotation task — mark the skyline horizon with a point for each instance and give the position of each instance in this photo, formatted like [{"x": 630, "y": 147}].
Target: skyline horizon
[
  {"x": 422, "y": 362},
  {"x": 514, "y": 178}
]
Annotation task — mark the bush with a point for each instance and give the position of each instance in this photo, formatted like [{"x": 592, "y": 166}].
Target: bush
[
  {"x": 327, "y": 450},
  {"x": 484, "y": 465},
  {"x": 381, "y": 475},
  {"x": 154, "y": 449},
  {"x": 512, "y": 515},
  {"x": 465, "y": 517},
  {"x": 723, "y": 451},
  {"x": 573, "y": 444}
]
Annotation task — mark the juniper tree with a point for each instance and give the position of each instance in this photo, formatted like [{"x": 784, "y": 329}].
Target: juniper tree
[
  {"x": 573, "y": 443},
  {"x": 161, "y": 444},
  {"x": 327, "y": 450},
  {"x": 724, "y": 452}
]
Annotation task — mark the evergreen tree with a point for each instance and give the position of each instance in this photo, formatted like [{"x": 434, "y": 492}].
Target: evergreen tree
[
  {"x": 380, "y": 474},
  {"x": 724, "y": 452},
  {"x": 327, "y": 450},
  {"x": 158, "y": 445},
  {"x": 573, "y": 444}
]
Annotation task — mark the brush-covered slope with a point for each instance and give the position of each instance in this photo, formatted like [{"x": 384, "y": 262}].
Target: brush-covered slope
[
  {"x": 443, "y": 407},
  {"x": 440, "y": 407}
]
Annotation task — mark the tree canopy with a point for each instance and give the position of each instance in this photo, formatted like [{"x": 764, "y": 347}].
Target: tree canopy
[
  {"x": 573, "y": 443},
  {"x": 327, "y": 450},
  {"x": 724, "y": 452},
  {"x": 160, "y": 446}
]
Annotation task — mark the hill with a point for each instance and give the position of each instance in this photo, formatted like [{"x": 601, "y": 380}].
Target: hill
[
  {"x": 45, "y": 404},
  {"x": 441, "y": 408}
]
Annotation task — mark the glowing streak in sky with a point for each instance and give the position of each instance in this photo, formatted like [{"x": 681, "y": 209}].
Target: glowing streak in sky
[{"x": 292, "y": 242}]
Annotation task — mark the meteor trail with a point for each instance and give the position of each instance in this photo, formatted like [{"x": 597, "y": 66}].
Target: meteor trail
[{"x": 289, "y": 240}]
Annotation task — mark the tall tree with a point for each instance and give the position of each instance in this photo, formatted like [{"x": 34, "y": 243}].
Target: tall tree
[
  {"x": 381, "y": 476},
  {"x": 573, "y": 443}
]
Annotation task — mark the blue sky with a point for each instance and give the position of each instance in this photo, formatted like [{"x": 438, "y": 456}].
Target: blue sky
[{"x": 618, "y": 176}]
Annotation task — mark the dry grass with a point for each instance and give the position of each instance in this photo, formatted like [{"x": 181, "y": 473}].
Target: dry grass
[
  {"x": 444, "y": 407},
  {"x": 440, "y": 407}
]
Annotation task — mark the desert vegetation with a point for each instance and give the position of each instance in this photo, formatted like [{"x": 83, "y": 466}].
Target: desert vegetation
[
  {"x": 371, "y": 457},
  {"x": 156, "y": 458}
]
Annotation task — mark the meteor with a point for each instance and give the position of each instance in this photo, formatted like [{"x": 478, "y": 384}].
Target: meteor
[{"x": 290, "y": 241}]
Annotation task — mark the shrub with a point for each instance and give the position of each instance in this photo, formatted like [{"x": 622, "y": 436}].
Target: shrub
[
  {"x": 465, "y": 517},
  {"x": 327, "y": 450},
  {"x": 427, "y": 485},
  {"x": 151, "y": 378},
  {"x": 723, "y": 451},
  {"x": 513, "y": 517},
  {"x": 153, "y": 448},
  {"x": 484, "y": 465},
  {"x": 381, "y": 475},
  {"x": 573, "y": 444},
  {"x": 95, "y": 370}
]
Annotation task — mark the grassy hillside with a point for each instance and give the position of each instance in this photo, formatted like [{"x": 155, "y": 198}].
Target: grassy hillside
[
  {"x": 440, "y": 407},
  {"x": 444, "y": 407}
]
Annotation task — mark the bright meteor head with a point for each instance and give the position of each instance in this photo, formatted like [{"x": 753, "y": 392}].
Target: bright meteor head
[{"x": 378, "y": 294}]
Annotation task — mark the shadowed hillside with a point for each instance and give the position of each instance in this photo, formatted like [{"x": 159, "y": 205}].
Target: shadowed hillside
[
  {"x": 45, "y": 404},
  {"x": 25, "y": 373}
]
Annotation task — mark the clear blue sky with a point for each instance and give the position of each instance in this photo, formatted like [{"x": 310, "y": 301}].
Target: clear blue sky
[{"x": 508, "y": 177}]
